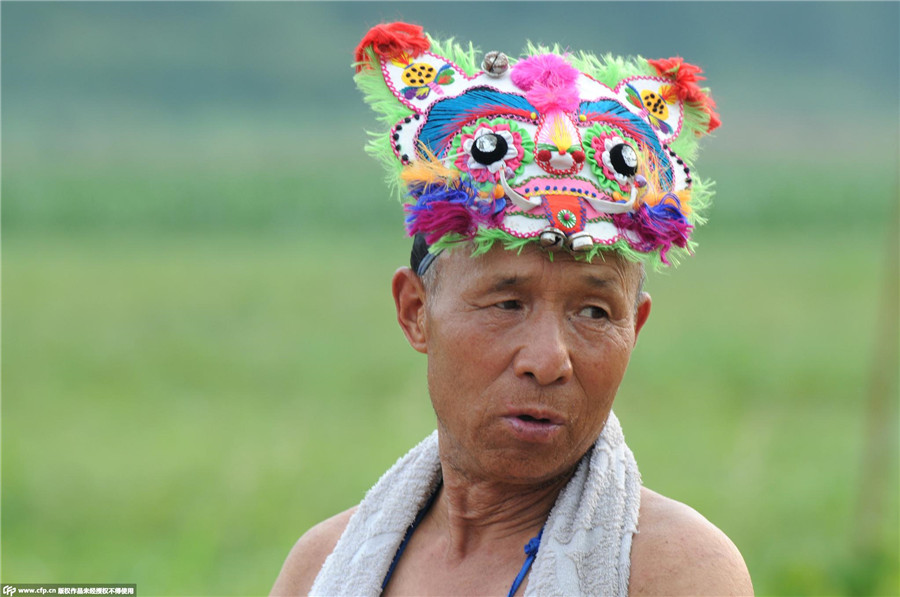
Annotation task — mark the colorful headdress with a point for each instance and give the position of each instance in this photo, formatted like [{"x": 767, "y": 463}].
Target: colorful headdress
[{"x": 568, "y": 150}]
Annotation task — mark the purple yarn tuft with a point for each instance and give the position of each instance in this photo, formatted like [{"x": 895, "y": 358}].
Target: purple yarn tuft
[
  {"x": 440, "y": 210},
  {"x": 659, "y": 226}
]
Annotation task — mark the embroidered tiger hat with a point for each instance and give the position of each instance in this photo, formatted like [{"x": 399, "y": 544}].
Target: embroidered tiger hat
[{"x": 569, "y": 150}]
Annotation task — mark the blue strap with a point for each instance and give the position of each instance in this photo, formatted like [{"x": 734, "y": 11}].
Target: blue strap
[
  {"x": 408, "y": 536},
  {"x": 531, "y": 550},
  {"x": 426, "y": 262}
]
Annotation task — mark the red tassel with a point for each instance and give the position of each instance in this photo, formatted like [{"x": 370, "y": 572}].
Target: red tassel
[
  {"x": 714, "y": 121},
  {"x": 391, "y": 40},
  {"x": 685, "y": 77}
]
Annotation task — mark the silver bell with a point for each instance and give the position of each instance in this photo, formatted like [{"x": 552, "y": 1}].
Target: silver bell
[
  {"x": 552, "y": 237},
  {"x": 495, "y": 64},
  {"x": 581, "y": 241}
]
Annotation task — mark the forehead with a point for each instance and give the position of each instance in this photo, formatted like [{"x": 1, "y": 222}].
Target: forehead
[{"x": 459, "y": 269}]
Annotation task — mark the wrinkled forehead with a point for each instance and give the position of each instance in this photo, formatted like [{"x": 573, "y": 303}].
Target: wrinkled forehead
[{"x": 460, "y": 266}]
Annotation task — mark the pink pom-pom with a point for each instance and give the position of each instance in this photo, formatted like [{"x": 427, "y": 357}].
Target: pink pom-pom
[
  {"x": 546, "y": 99},
  {"x": 548, "y": 69},
  {"x": 549, "y": 80}
]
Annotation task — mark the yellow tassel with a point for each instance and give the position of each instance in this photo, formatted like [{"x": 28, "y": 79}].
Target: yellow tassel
[
  {"x": 651, "y": 194},
  {"x": 428, "y": 169},
  {"x": 684, "y": 197}
]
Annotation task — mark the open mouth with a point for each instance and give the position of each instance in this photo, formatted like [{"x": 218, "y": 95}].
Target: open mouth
[
  {"x": 530, "y": 419},
  {"x": 533, "y": 198},
  {"x": 531, "y": 428}
]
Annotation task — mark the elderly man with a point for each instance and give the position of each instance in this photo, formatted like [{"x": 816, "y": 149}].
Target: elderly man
[{"x": 537, "y": 194}]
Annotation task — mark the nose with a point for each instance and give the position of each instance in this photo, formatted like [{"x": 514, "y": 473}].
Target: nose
[{"x": 544, "y": 353}]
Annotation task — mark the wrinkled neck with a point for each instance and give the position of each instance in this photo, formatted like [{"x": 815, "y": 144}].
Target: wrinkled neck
[{"x": 477, "y": 512}]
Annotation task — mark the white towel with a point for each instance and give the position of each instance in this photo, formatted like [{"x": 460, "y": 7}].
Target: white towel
[{"x": 585, "y": 549}]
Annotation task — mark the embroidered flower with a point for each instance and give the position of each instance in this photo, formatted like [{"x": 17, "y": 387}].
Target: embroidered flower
[
  {"x": 567, "y": 218},
  {"x": 602, "y": 145},
  {"x": 492, "y": 146}
]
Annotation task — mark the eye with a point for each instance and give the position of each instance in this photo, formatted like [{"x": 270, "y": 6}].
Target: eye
[
  {"x": 489, "y": 148},
  {"x": 594, "y": 312},
  {"x": 510, "y": 305},
  {"x": 623, "y": 159}
]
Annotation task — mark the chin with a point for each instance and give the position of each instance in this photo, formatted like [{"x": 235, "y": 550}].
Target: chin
[{"x": 528, "y": 464}]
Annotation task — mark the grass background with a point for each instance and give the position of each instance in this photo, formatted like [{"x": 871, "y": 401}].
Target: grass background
[{"x": 200, "y": 358}]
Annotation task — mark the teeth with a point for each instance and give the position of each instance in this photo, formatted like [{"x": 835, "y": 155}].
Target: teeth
[
  {"x": 518, "y": 200},
  {"x": 611, "y": 207}
]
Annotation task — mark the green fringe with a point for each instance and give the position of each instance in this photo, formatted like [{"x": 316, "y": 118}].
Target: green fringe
[
  {"x": 376, "y": 93},
  {"x": 694, "y": 126},
  {"x": 606, "y": 68},
  {"x": 388, "y": 111},
  {"x": 609, "y": 69},
  {"x": 379, "y": 147},
  {"x": 464, "y": 58},
  {"x": 702, "y": 192},
  {"x": 485, "y": 238},
  {"x": 532, "y": 49}
]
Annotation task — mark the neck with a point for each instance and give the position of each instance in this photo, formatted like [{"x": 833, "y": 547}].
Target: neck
[{"x": 476, "y": 512}]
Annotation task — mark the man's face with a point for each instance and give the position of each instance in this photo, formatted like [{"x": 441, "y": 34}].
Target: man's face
[{"x": 525, "y": 356}]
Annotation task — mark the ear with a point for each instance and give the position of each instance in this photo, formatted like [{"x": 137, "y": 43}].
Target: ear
[
  {"x": 643, "y": 312},
  {"x": 409, "y": 299},
  {"x": 397, "y": 54},
  {"x": 672, "y": 102},
  {"x": 408, "y": 78}
]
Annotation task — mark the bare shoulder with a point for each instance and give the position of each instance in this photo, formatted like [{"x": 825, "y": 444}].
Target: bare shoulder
[
  {"x": 678, "y": 552},
  {"x": 309, "y": 553}
]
